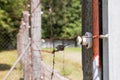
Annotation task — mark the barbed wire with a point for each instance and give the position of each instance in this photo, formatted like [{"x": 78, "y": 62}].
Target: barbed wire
[
  {"x": 51, "y": 37},
  {"x": 32, "y": 11}
]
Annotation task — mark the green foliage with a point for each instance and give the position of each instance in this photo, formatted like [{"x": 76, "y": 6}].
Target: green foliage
[
  {"x": 66, "y": 18},
  {"x": 11, "y": 10},
  {"x": 10, "y": 14}
]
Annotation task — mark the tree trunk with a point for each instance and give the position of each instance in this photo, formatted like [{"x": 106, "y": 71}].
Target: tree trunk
[
  {"x": 87, "y": 54},
  {"x": 36, "y": 39}
]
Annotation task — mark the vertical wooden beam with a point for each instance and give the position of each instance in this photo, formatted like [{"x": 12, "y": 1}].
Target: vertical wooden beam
[
  {"x": 26, "y": 41},
  {"x": 87, "y": 54},
  {"x": 22, "y": 41},
  {"x": 36, "y": 39}
]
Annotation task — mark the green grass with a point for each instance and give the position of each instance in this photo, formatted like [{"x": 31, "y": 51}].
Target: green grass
[
  {"x": 67, "y": 63},
  {"x": 73, "y": 49},
  {"x": 7, "y": 60}
]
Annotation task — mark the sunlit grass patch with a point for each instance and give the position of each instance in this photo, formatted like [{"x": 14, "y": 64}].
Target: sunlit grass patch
[
  {"x": 67, "y": 63},
  {"x": 73, "y": 49},
  {"x": 7, "y": 60}
]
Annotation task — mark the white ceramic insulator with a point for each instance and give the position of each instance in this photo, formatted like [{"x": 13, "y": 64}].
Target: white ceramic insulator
[{"x": 79, "y": 40}]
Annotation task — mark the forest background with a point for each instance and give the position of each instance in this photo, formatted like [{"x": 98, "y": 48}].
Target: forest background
[{"x": 66, "y": 19}]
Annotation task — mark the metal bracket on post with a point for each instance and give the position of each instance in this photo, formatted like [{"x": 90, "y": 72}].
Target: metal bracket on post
[{"x": 85, "y": 40}]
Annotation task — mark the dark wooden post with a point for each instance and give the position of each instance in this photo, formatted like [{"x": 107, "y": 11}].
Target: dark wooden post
[{"x": 87, "y": 54}]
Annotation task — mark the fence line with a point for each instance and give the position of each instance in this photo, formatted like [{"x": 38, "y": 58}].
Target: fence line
[
  {"x": 22, "y": 41},
  {"x": 23, "y": 47},
  {"x": 19, "y": 58},
  {"x": 46, "y": 73},
  {"x": 24, "y": 54}
]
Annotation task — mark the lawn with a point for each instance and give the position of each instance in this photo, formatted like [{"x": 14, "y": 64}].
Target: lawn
[
  {"x": 7, "y": 59},
  {"x": 67, "y": 63}
]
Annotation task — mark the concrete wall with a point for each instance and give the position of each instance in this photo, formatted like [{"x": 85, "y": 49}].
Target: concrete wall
[
  {"x": 105, "y": 40},
  {"x": 111, "y": 46},
  {"x": 114, "y": 39},
  {"x": 49, "y": 44}
]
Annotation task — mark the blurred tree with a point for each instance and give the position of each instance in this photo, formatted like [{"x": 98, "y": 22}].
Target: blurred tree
[
  {"x": 10, "y": 14},
  {"x": 66, "y": 18}
]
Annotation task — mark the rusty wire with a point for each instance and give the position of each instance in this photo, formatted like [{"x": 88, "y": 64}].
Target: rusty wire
[
  {"x": 51, "y": 37},
  {"x": 51, "y": 9}
]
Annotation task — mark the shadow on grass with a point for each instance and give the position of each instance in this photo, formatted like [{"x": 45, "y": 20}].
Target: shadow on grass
[{"x": 4, "y": 67}]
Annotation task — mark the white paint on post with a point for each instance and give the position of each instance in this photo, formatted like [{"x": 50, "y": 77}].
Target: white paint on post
[
  {"x": 114, "y": 39},
  {"x": 96, "y": 71},
  {"x": 36, "y": 39}
]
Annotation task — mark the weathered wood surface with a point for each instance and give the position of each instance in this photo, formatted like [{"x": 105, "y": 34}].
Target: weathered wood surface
[
  {"x": 36, "y": 38},
  {"x": 22, "y": 41},
  {"x": 87, "y": 54}
]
